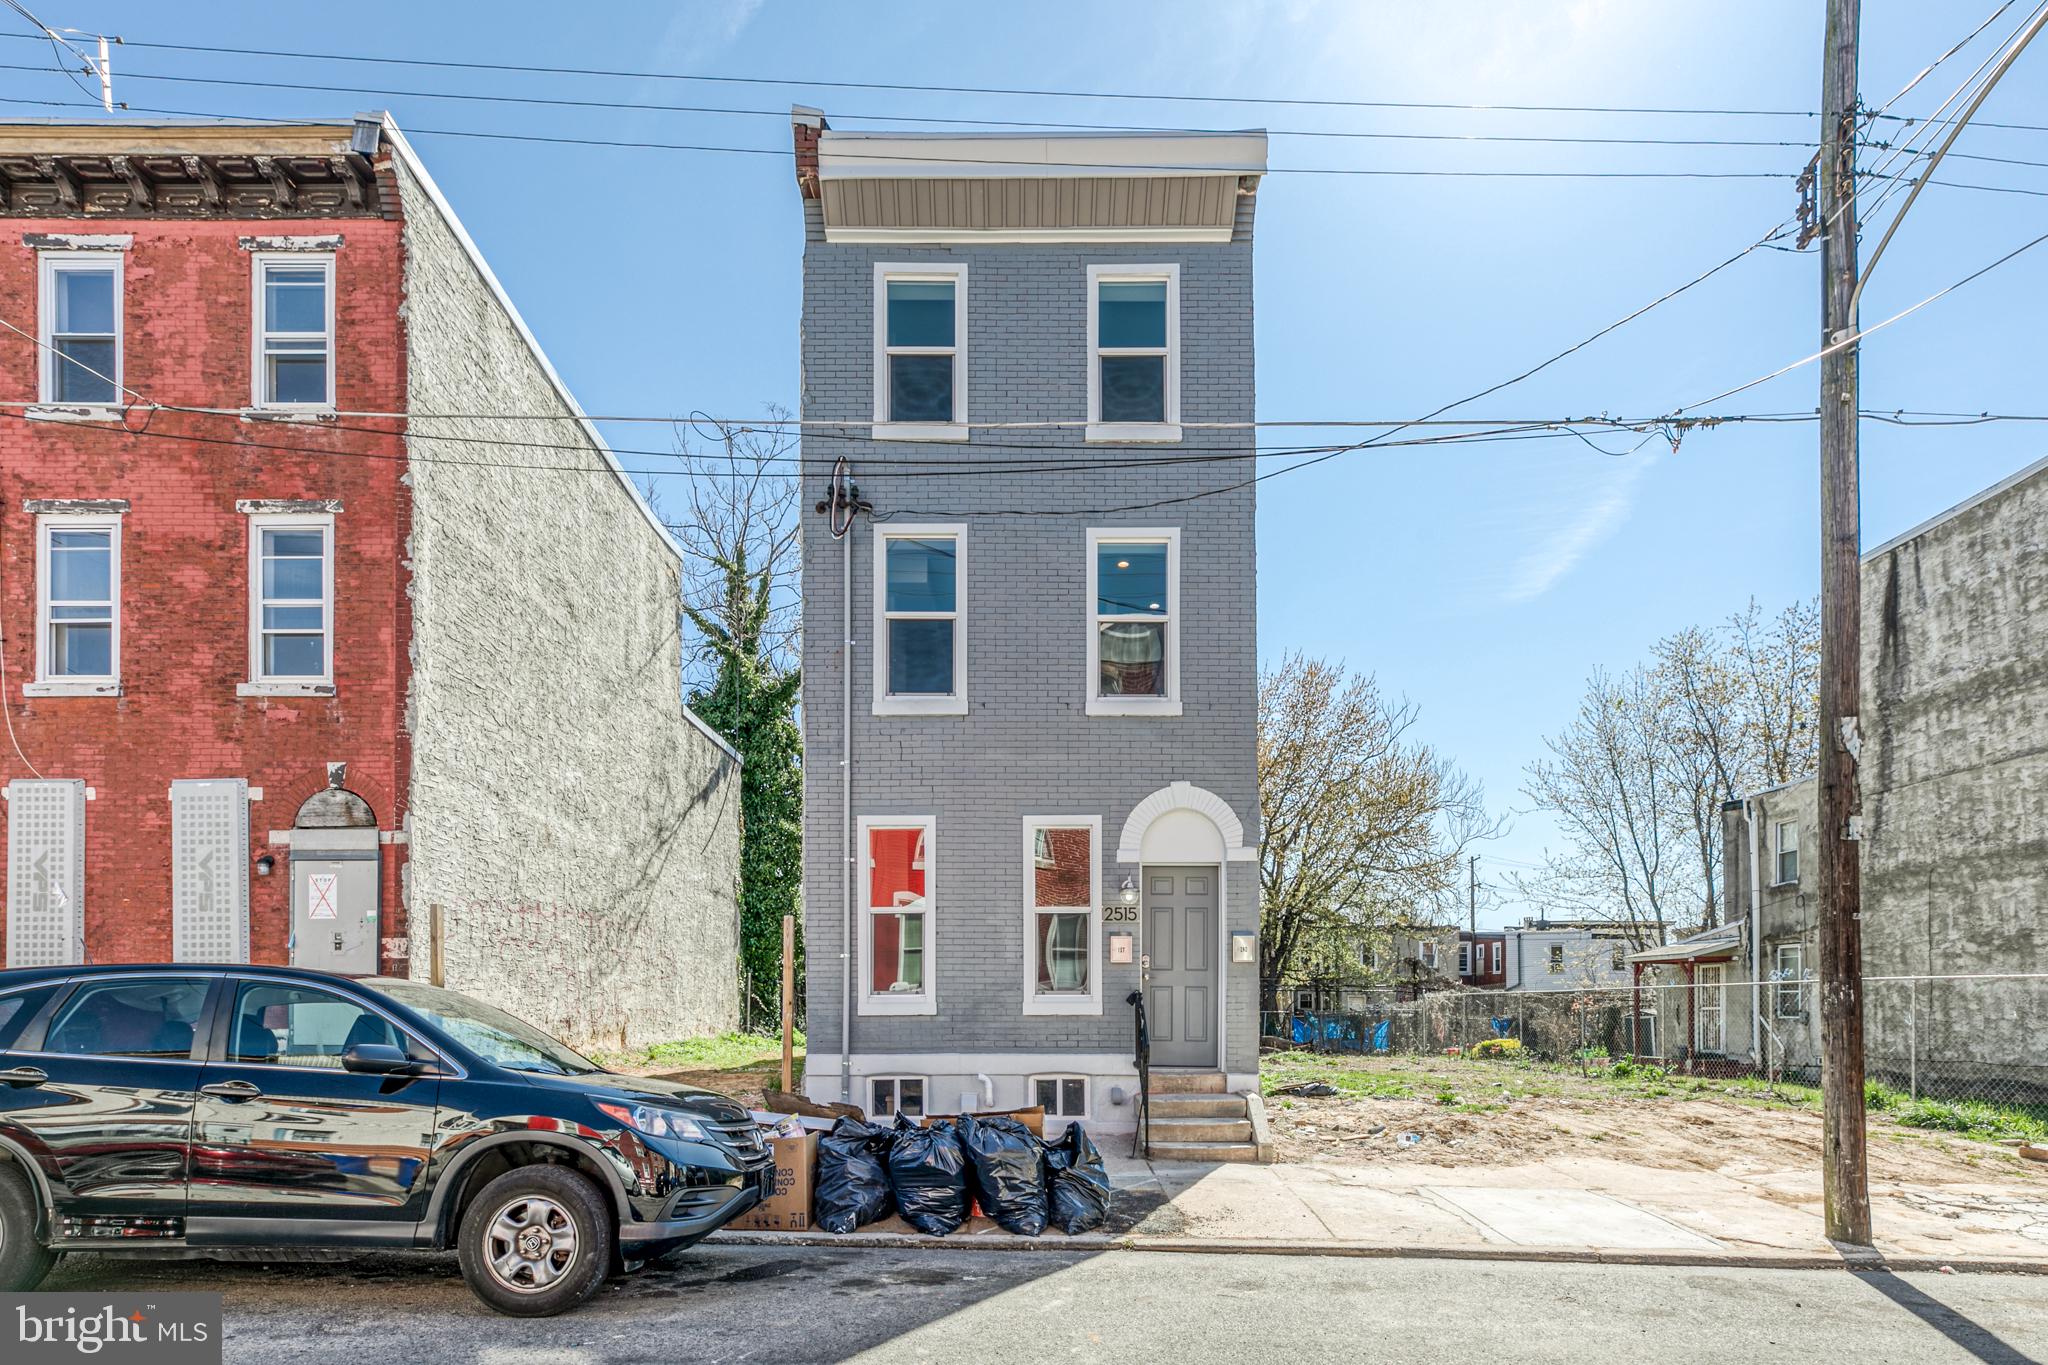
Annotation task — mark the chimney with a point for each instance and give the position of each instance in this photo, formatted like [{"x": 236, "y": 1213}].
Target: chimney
[{"x": 805, "y": 124}]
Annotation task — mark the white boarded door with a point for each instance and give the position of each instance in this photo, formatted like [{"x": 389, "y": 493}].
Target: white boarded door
[
  {"x": 45, "y": 872},
  {"x": 210, "y": 870}
]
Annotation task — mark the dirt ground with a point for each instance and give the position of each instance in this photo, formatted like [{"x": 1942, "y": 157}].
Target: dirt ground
[{"x": 1471, "y": 1113}]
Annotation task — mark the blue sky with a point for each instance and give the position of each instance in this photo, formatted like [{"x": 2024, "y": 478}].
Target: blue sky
[{"x": 1483, "y": 582}]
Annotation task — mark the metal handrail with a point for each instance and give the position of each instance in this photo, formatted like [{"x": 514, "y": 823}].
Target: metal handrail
[{"x": 1136, "y": 1000}]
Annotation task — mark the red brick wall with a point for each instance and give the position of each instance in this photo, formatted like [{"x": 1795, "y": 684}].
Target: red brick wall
[{"x": 184, "y": 574}]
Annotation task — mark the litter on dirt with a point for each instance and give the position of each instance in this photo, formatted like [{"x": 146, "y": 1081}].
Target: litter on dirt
[{"x": 1309, "y": 1090}]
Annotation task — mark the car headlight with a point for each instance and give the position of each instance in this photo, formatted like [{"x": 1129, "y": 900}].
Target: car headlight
[{"x": 653, "y": 1122}]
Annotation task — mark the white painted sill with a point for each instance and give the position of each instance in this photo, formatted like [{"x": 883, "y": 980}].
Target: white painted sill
[
  {"x": 920, "y": 706},
  {"x": 1111, "y": 706},
  {"x": 72, "y": 687},
  {"x": 75, "y": 412},
  {"x": 284, "y": 689},
  {"x": 1133, "y": 431},
  {"x": 924, "y": 1002},
  {"x": 311, "y": 412},
  {"x": 919, "y": 431},
  {"x": 1062, "y": 1004}
]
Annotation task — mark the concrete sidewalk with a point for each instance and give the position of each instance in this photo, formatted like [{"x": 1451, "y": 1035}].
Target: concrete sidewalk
[{"x": 1568, "y": 1209}]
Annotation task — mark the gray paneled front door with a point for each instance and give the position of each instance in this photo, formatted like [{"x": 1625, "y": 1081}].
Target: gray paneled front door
[{"x": 1180, "y": 987}]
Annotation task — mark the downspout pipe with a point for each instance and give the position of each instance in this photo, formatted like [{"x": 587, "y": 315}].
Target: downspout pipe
[{"x": 846, "y": 813}]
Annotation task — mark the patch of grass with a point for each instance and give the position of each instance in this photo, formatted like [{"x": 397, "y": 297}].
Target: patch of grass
[
  {"x": 1354, "y": 1078},
  {"x": 1970, "y": 1118},
  {"x": 733, "y": 1051}
]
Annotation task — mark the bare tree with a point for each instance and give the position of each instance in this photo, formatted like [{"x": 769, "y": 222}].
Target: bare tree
[
  {"x": 1362, "y": 824},
  {"x": 739, "y": 521}
]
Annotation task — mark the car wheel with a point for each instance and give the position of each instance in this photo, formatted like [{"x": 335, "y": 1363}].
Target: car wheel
[
  {"x": 23, "y": 1260},
  {"x": 536, "y": 1241}
]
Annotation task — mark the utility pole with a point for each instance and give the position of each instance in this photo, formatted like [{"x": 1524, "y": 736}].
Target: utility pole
[{"x": 1844, "y": 1162}]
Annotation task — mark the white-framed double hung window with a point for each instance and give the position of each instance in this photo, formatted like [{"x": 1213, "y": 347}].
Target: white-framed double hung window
[
  {"x": 1788, "y": 853},
  {"x": 920, "y": 620},
  {"x": 293, "y": 331},
  {"x": 920, "y": 352},
  {"x": 1062, "y": 926},
  {"x": 896, "y": 918},
  {"x": 1788, "y": 989},
  {"x": 80, "y": 314},
  {"x": 78, "y": 605},
  {"x": 1133, "y": 353},
  {"x": 1134, "y": 622},
  {"x": 291, "y": 604}
]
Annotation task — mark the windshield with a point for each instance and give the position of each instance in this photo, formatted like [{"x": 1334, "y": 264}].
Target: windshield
[{"x": 487, "y": 1031}]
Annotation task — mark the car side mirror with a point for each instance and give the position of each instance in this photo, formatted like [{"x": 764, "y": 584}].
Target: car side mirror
[{"x": 377, "y": 1059}]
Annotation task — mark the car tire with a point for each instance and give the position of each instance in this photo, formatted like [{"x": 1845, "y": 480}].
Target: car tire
[
  {"x": 536, "y": 1241},
  {"x": 23, "y": 1260}
]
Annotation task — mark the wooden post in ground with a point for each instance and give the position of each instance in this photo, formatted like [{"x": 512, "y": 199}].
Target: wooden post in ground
[
  {"x": 788, "y": 1001},
  {"x": 1844, "y": 1167},
  {"x": 437, "y": 973}
]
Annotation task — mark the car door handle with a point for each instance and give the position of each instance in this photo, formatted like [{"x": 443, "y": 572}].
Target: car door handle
[
  {"x": 232, "y": 1090},
  {"x": 24, "y": 1075}
]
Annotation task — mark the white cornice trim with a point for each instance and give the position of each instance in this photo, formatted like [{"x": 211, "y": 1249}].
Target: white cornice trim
[
  {"x": 953, "y": 156},
  {"x": 888, "y": 236}
]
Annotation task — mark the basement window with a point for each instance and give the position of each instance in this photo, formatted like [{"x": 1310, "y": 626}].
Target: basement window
[
  {"x": 1062, "y": 1097},
  {"x": 921, "y": 352},
  {"x": 294, "y": 330},
  {"x": 889, "y": 1096}
]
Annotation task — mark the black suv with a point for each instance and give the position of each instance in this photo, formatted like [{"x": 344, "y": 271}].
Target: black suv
[{"x": 194, "y": 1108}]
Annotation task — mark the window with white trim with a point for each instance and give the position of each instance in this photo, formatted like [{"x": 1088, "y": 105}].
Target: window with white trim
[
  {"x": 1464, "y": 959},
  {"x": 294, "y": 330},
  {"x": 1556, "y": 961},
  {"x": 1788, "y": 998},
  {"x": 78, "y": 605},
  {"x": 81, "y": 326},
  {"x": 1134, "y": 625},
  {"x": 1133, "y": 353},
  {"x": 889, "y": 1096},
  {"x": 291, "y": 601},
  {"x": 1062, "y": 1097},
  {"x": 921, "y": 352},
  {"x": 1788, "y": 852},
  {"x": 896, "y": 924},
  {"x": 1062, "y": 930},
  {"x": 920, "y": 602},
  {"x": 1496, "y": 956},
  {"x": 1429, "y": 953}
]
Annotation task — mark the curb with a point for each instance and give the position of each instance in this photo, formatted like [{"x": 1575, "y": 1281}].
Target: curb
[{"x": 1789, "y": 1260}]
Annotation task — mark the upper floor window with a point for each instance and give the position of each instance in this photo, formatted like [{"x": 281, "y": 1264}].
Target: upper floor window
[
  {"x": 1556, "y": 963},
  {"x": 294, "y": 330},
  {"x": 291, "y": 602},
  {"x": 1134, "y": 626},
  {"x": 1788, "y": 852},
  {"x": 921, "y": 352},
  {"x": 1428, "y": 953},
  {"x": 1788, "y": 994},
  {"x": 1134, "y": 353},
  {"x": 1061, "y": 928},
  {"x": 920, "y": 646},
  {"x": 1464, "y": 959},
  {"x": 81, "y": 325},
  {"x": 78, "y": 605},
  {"x": 1618, "y": 960},
  {"x": 896, "y": 929}
]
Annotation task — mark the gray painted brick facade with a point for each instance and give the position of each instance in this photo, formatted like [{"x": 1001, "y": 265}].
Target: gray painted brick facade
[{"x": 1026, "y": 746}]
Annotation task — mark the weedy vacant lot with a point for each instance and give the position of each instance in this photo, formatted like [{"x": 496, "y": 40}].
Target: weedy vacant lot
[{"x": 1485, "y": 1112}]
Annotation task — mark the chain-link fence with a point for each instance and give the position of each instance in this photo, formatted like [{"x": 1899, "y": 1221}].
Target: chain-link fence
[{"x": 1942, "y": 1037}]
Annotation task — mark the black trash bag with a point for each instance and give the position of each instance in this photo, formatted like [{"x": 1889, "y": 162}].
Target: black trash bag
[
  {"x": 1006, "y": 1166},
  {"x": 928, "y": 1176},
  {"x": 853, "y": 1176},
  {"x": 1076, "y": 1183}
]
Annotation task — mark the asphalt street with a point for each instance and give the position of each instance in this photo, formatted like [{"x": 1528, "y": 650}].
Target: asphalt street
[{"x": 741, "y": 1303}]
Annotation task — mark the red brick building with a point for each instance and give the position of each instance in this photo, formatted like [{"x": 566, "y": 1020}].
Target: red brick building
[{"x": 208, "y": 572}]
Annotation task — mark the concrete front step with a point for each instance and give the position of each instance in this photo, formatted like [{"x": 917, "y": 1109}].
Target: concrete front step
[
  {"x": 1174, "y": 1082},
  {"x": 1245, "y": 1152},
  {"x": 1199, "y": 1107},
  {"x": 1169, "y": 1131}
]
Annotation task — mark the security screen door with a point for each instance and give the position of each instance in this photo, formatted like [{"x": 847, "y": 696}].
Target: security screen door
[{"x": 1180, "y": 941}]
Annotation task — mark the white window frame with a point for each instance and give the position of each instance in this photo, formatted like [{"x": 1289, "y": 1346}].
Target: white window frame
[
  {"x": 1778, "y": 852},
  {"x": 293, "y": 686},
  {"x": 1711, "y": 1004},
  {"x": 1793, "y": 986},
  {"x": 1464, "y": 959},
  {"x": 1168, "y": 430},
  {"x": 896, "y": 1095},
  {"x": 1170, "y": 704},
  {"x": 1087, "y": 1094},
  {"x": 1076, "y": 1002},
  {"x": 1496, "y": 957},
  {"x": 45, "y": 685},
  {"x": 48, "y": 265},
  {"x": 260, "y": 264},
  {"x": 920, "y": 272},
  {"x": 953, "y": 703},
  {"x": 927, "y": 1000}
]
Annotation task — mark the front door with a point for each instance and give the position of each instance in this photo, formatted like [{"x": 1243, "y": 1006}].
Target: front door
[
  {"x": 334, "y": 906},
  {"x": 283, "y": 1131},
  {"x": 1180, "y": 944}
]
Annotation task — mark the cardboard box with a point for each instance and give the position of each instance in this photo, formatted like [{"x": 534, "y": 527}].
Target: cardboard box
[
  {"x": 1032, "y": 1118},
  {"x": 788, "y": 1208}
]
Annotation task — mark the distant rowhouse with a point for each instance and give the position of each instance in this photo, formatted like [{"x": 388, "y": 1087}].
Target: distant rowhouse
[{"x": 296, "y": 668}]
